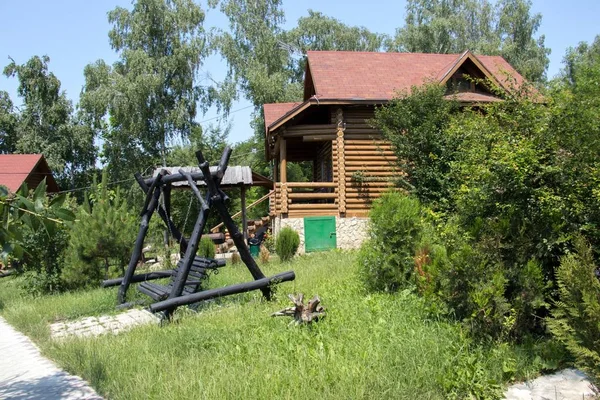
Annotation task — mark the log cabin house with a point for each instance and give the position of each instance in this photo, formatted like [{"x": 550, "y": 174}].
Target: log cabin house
[{"x": 351, "y": 162}]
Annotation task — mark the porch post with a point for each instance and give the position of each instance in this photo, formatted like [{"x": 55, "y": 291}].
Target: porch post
[
  {"x": 244, "y": 220},
  {"x": 341, "y": 163},
  {"x": 283, "y": 161},
  {"x": 283, "y": 175}
]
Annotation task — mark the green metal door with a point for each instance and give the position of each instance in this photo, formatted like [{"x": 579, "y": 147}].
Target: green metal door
[{"x": 319, "y": 234}]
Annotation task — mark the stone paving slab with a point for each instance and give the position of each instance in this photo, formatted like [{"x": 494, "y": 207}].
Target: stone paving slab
[
  {"x": 95, "y": 326},
  {"x": 26, "y": 374},
  {"x": 568, "y": 384}
]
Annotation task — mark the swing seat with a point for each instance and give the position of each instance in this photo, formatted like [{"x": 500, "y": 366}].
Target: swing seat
[{"x": 198, "y": 273}]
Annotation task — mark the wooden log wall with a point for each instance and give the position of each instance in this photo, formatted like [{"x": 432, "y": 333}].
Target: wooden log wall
[
  {"x": 369, "y": 162},
  {"x": 340, "y": 161},
  {"x": 356, "y": 160}
]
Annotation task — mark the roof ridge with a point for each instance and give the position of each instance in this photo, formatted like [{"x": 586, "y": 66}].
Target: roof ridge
[{"x": 383, "y": 52}]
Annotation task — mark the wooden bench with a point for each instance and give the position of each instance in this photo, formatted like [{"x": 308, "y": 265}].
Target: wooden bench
[{"x": 198, "y": 273}]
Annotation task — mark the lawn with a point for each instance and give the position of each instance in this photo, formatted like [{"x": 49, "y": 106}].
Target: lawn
[{"x": 368, "y": 346}]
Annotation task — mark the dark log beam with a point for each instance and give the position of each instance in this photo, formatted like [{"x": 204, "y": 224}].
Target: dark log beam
[
  {"x": 262, "y": 284},
  {"x": 139, "y": 278},
  {"x": 238, "y": 239},
  {"x": 192, "y": 247},
  {"x": 165, "y": 214},
  {"x": 139, "y": 243}
]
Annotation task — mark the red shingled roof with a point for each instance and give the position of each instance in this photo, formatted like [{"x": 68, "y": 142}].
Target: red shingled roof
[
  {"x": 15, "y": 169},
  {"x": 379, "y": 76},
  {"x": 369, "y": 76},
  {"x": 274, "y": 111}
]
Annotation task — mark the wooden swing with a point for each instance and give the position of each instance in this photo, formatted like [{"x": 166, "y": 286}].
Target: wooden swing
[{"x": 185, "y": 282}]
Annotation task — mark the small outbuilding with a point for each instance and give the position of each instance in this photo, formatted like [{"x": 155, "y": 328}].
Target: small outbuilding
[{"x": 17, "y": 169}]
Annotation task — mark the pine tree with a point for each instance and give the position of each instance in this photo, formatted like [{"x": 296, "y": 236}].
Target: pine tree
[
  {"x": 102, "y": 236},
  {"x": 576, "y": 318}
]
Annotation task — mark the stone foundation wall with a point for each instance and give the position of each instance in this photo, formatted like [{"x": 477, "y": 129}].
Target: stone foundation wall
[{"x": 350, "y": 232}]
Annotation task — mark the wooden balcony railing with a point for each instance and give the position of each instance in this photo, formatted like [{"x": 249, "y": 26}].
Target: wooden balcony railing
[{"x": 304, "y": 198}]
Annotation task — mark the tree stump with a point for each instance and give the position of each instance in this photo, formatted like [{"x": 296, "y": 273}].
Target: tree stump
[{"x": 302, "y": 314}]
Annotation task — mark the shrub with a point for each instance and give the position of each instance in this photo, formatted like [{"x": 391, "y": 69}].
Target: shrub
[
  {"x": 412, "y": 247},
  {"x": 576, "y": 318},
  {"x": 235, "y": 258},
  {"x": 43, "y": 259},
  {"x": 387, "y": 258},
  {"x": 269, "y": 242},
  {"x": 102, "y": 236},
  {"x": 415, "y": 123},
  {"x": 44, "y": 231},
  {"x": 287, "y": 243},
  {"x": 206, "y": 247},
  {"x": 264, "y": 255}
]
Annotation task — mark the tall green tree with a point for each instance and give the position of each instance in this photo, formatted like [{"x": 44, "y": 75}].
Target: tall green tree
[
  {"x": 452, "y": 26},
  {"x": 8, "y": 124},
  {"x": 150, "y": 95},
  {"x": 580, "y": 64},
  {"x": 266, "y": 62},
  {"x": 46, "y": 123}
]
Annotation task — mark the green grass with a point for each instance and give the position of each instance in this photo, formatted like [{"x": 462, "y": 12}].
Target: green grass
[{"x": 368, "y": 346}]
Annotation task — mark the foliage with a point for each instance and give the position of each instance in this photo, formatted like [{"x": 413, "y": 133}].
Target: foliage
[
  {"x": 415, "y": 124},
  {"x": 411, "y": 247},
  {"x": 286, "y": 243},
  {"x": 510, "y": 185},
  {"x": 34, "y": 235},
  {"x": 264, "y": 255},
  {"x": 32, "y": 212},
  {"x": 8, "y": 124},
  {"x": 576, "y": 318},
  {"x": 146, "y": 102},
  {"x": 46, "y": 123},
  {"x": 102, "y": 236},
  {"x": 507, "y": 29},
  {"x": 269, "y": 242},
  {"x": 386, "y": 259},
  {"x": 462, "y": 280},
  {"x": 579, "y": 63},
  {"x": 206, "y": 247},
  {"x": 44, "y": 260}
]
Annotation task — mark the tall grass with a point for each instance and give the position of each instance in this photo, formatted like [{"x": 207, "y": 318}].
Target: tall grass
[{"x": 368, "y": 346}]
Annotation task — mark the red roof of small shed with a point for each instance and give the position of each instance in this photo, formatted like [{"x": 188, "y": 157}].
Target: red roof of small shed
[{"x": 16, "y": 169}]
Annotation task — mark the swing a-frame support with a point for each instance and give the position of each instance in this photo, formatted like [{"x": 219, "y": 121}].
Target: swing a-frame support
[{"x": 185, "y": 279}]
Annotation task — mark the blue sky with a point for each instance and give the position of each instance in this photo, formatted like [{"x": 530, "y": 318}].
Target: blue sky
[{"x": 74, "y": 33}]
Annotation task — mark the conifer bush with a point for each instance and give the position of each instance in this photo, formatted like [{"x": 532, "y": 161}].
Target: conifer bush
[
  {"x": 286, "y": 244},
  {"x": 206, "y": 247},
  {"x": 386, "y": 259},
  {"x": 102, "y": 236},
  {"x": 576, "y": 318}
]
